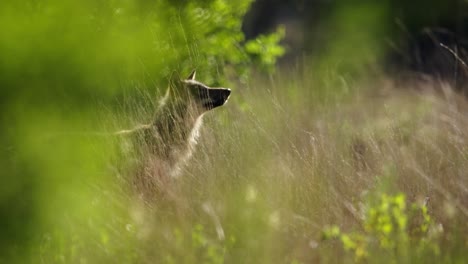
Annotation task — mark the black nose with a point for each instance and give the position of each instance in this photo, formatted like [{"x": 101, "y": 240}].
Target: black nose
[{"x": 226, "y": 94}]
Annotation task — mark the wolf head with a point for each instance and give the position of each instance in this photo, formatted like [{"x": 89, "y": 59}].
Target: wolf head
[{"x": 198, "y": 94}]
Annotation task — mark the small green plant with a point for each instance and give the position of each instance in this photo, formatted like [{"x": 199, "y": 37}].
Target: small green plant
[
  {"x": 389, "y": 226},
  {"x": 196, "y": 245},
  {"x": 211, "y": 252}
]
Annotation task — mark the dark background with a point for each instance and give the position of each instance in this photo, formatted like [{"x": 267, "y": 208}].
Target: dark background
[{"x": 411, "y": 31}]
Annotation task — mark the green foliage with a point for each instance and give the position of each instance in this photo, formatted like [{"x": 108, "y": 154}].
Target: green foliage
[
  {"x": 265, "y": 48},
  {"x": 65, "y": 66},
  {"x": 194, "y": 245},
  {"x": 215, "y": 40},
  {"x": 386, "y": 229},
  {"x": 387, "y": 221},
  {"x": 212, "y": 253},
  {"x": 100, "y": 47}
]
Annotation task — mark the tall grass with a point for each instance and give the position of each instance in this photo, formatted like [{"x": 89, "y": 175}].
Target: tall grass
[
  {"x": 289, "y": 163},
  {"x": 283, "y": 162}
]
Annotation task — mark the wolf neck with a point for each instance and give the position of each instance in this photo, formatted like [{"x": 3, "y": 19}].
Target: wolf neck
[{"x": 176, "y": 129}]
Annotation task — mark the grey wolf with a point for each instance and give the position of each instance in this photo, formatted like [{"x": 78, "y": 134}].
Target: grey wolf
[{"x": 165, "y": 144}]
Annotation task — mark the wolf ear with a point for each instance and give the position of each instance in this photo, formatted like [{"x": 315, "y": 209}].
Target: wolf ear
[{"x": 192, "y": 75}]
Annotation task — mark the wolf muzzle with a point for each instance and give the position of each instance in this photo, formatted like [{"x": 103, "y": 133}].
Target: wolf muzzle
[{"x": 216, "y": 97}]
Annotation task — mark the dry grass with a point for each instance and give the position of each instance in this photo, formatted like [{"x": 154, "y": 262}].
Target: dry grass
[
  {"x": 273, "y": 169},
  {"x": 284, "y": 160}
]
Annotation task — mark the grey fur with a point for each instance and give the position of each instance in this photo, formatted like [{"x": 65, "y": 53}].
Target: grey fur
[{"x": 166, "y": 144}]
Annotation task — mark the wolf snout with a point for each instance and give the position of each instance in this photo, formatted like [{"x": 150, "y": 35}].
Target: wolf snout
[
  {"x": 227, "y": 93},
  {"x": 217, "y": 97}
]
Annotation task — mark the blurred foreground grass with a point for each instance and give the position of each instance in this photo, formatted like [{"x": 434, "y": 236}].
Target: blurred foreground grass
[{"x": 65, "y": 66}]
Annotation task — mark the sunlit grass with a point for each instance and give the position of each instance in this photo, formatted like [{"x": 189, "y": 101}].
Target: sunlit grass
[
  {"x": 290, "y": 168},
  {"x": 275, "y": 168},
  {"x": 271, "y": 174}
]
